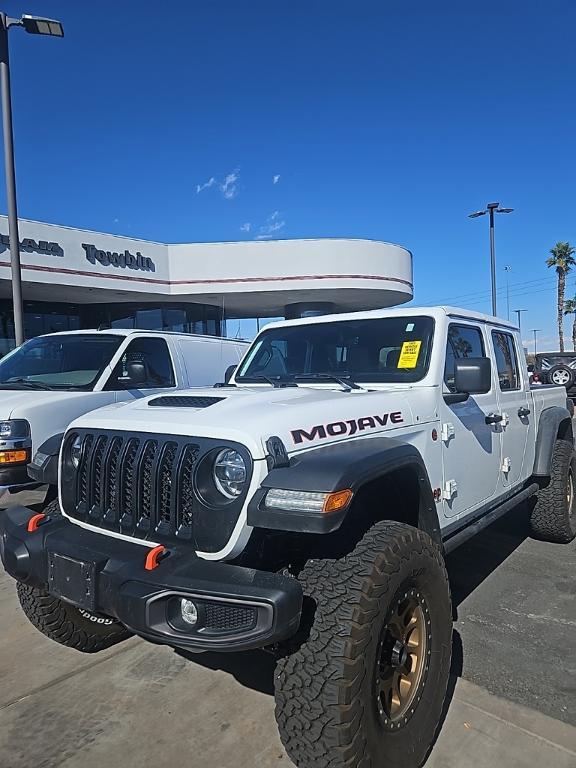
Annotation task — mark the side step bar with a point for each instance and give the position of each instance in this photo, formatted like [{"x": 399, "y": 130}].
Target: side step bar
[{"x": 463, "y": 534}]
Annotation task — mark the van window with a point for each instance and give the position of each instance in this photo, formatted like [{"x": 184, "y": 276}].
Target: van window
[{"x": 157, "y": 364}]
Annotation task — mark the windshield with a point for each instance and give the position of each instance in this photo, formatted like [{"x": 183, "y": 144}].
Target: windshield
[
  {"x": 58, "y": 362},
  {"x": 390, "y": 349}
]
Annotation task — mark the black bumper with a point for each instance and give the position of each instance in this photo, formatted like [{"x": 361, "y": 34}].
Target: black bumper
[{"x": 238, "y": 608}]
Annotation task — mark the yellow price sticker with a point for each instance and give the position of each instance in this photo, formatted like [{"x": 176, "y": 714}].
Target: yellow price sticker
[{"x": 409, "y": 354}]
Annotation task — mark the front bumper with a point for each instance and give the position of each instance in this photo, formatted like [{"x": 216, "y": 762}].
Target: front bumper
[
  {"x": 14, "y": 482},
  {"x": 239, "y": 608}
]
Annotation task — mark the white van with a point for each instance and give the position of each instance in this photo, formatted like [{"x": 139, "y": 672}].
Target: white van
[{"x": 51, "y": 380}]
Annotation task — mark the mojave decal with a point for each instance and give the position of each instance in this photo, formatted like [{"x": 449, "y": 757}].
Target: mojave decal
[{"x": 348, "y": 427}]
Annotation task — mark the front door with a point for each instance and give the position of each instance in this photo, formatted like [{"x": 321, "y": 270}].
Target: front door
[
  {"x": 512, "y": 406},
  {"x": 471, "y": 447}
]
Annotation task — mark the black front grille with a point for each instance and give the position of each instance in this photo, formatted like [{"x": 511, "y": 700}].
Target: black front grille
[
  {"x": 184, "y": 401},
  {"x": 136, "y": 485}
]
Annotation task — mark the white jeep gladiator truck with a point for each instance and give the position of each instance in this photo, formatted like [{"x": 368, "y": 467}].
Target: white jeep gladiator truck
[
  {"x": 305, "y": 507},
  {"x": 51, "y": 380}
]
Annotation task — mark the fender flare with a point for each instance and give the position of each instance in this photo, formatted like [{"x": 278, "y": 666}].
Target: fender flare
[
  {"x": 349, "y": 464},
  {"x": 46, "y": 470},
  {"x": 548, "y": 427}
]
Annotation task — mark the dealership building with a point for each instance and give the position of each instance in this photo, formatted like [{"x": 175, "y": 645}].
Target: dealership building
[{"x": 74, "y": 278}]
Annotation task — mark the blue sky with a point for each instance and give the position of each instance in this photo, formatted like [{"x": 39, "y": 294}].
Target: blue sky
[{"x": 385, "y": 119}]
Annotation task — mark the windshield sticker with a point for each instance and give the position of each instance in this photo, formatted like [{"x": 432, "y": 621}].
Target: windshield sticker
[
  {"x": 409, "y": 327},
  {"x": 409, "y": 354}
]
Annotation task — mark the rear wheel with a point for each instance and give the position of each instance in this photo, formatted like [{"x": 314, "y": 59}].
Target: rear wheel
[
  {"x": 367, "y": 684},
  {"x": 553, "y": 515}
]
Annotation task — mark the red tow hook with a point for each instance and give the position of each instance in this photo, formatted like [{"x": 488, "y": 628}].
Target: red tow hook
[
  {"x": 36, "y": 521},
  {"x": 154, "y": 556}
]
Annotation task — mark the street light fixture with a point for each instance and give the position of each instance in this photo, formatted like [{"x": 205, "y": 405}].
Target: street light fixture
[
  {"x": 35, "y": 25},
  {"x": 518, "y": 312},
  {"x": 491, "y": 209}
]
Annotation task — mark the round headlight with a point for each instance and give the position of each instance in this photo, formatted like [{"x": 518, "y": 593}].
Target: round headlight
[
  {"x": 229, "y": 473},
  {"x": 76, "y": 450}
]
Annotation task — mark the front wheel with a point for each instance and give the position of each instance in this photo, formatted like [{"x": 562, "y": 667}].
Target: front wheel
[{"x": 367, "y": 686}]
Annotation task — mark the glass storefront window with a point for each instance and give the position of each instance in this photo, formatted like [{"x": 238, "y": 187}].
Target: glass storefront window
[{"x": 42, "y": 317}]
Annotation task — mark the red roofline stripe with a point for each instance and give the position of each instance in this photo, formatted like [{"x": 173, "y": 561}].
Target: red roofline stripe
[{"x": 212, "y": 281}]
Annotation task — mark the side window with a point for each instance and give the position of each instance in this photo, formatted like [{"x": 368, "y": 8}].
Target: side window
[
  {"x": 506, "y": 361},
  {"x": 157, "y": 368},
  {"x": 463, "y": 341}
]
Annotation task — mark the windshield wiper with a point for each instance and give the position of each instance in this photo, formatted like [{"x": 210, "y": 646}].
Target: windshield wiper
[
  {"x": 347, "y": 382},
  {"x": 24, "y": 383},
  {"x": 276, "y": 381}
]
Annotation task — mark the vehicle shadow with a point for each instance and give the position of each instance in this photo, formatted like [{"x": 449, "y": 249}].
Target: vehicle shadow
[{"x": 468, "y": 567}]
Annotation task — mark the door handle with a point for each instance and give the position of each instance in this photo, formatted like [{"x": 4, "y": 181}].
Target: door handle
[
  {"x": 493, "y": 418},
  {"x": 523, "y": 412}
]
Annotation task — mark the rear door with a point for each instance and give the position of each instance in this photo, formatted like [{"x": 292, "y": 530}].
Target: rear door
[
  {"x": 513, "y": 406},
  {"x": 471, "y": 447}
]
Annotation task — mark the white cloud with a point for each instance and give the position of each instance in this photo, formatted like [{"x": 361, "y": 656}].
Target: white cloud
[
  {"x": 246, "y": 227},
  {"x": 273, "y": 225},
  {"x": 228, "y": 186},
  {"x": 276, "y": 178},
  {"x": 201, "y": 187}
]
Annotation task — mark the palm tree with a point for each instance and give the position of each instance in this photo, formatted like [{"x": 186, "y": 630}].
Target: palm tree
[
  {"x": 562, "y": 258},
  {"x": 570, "y": 309}
]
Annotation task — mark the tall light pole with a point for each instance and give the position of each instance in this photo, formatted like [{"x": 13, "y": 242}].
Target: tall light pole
[
  {"x": 36, "y": 26},
  {"x": 535, "y": 331},
  {"x": 490, "y": 209},
  {"x": 518, "y": 311},
  {"x": 507, "y": 269}
]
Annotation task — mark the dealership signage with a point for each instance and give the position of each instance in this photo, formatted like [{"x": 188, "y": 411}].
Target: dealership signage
[
  {"x": 27, "y": 245},
  {"x": 115, "y": 259}
]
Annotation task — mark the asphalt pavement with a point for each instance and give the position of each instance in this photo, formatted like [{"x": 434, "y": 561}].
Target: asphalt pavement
[{"x": 511, "y": 702}]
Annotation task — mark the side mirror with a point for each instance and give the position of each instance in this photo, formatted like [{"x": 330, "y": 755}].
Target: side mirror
[
  {"x": 229, "y": 373},
  {"x": 135, "y": 373},
  {"x": 473, "y": 375}
]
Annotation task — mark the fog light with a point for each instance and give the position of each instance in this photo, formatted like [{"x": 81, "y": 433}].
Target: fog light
[{"x": 189, "y": 612}]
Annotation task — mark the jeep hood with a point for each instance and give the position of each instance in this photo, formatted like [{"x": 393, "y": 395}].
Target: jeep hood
[{"x": 301, "y": 417}]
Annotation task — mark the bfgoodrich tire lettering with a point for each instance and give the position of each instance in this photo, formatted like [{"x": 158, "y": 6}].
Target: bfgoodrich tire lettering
[
  {"x": 326, "y": 690},
  {"x": 553, "y": 515},
  {"x": 67, "y": 624}
]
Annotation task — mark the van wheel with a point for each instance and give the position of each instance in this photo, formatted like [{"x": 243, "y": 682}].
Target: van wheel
[
  {"x": 68, "y": 625},
  {"x": 367, "y": 684},
  {"x": 553, "y": 516}
]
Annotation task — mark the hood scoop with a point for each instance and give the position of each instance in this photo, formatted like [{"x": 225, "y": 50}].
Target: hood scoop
[{"x": 184, "y": 401}]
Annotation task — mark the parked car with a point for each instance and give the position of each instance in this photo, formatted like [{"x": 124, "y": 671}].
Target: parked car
[
  {"x": 556, "y": 368},
  {"x": 51, "y": 380},
  {"x": 306, "y": 507}
]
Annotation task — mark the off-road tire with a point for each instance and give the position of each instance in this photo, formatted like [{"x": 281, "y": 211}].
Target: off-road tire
[
  {"x": 64, "y": 623},
  {"x": 67, "y": 624},
  {"x": 52, "y": 508},
  {"x": 553, "y": 514},
  {"x": 326, "y": 704}
]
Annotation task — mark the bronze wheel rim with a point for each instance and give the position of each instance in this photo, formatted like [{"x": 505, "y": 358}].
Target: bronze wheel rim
[{"x": 402, "y": 660}]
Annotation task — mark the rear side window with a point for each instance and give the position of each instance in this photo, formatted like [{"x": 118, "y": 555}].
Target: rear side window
[
  {"x": 463, "y": 341},
  {"x": 506, "y": 361},
  {"x": 157, "y": 364}
]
